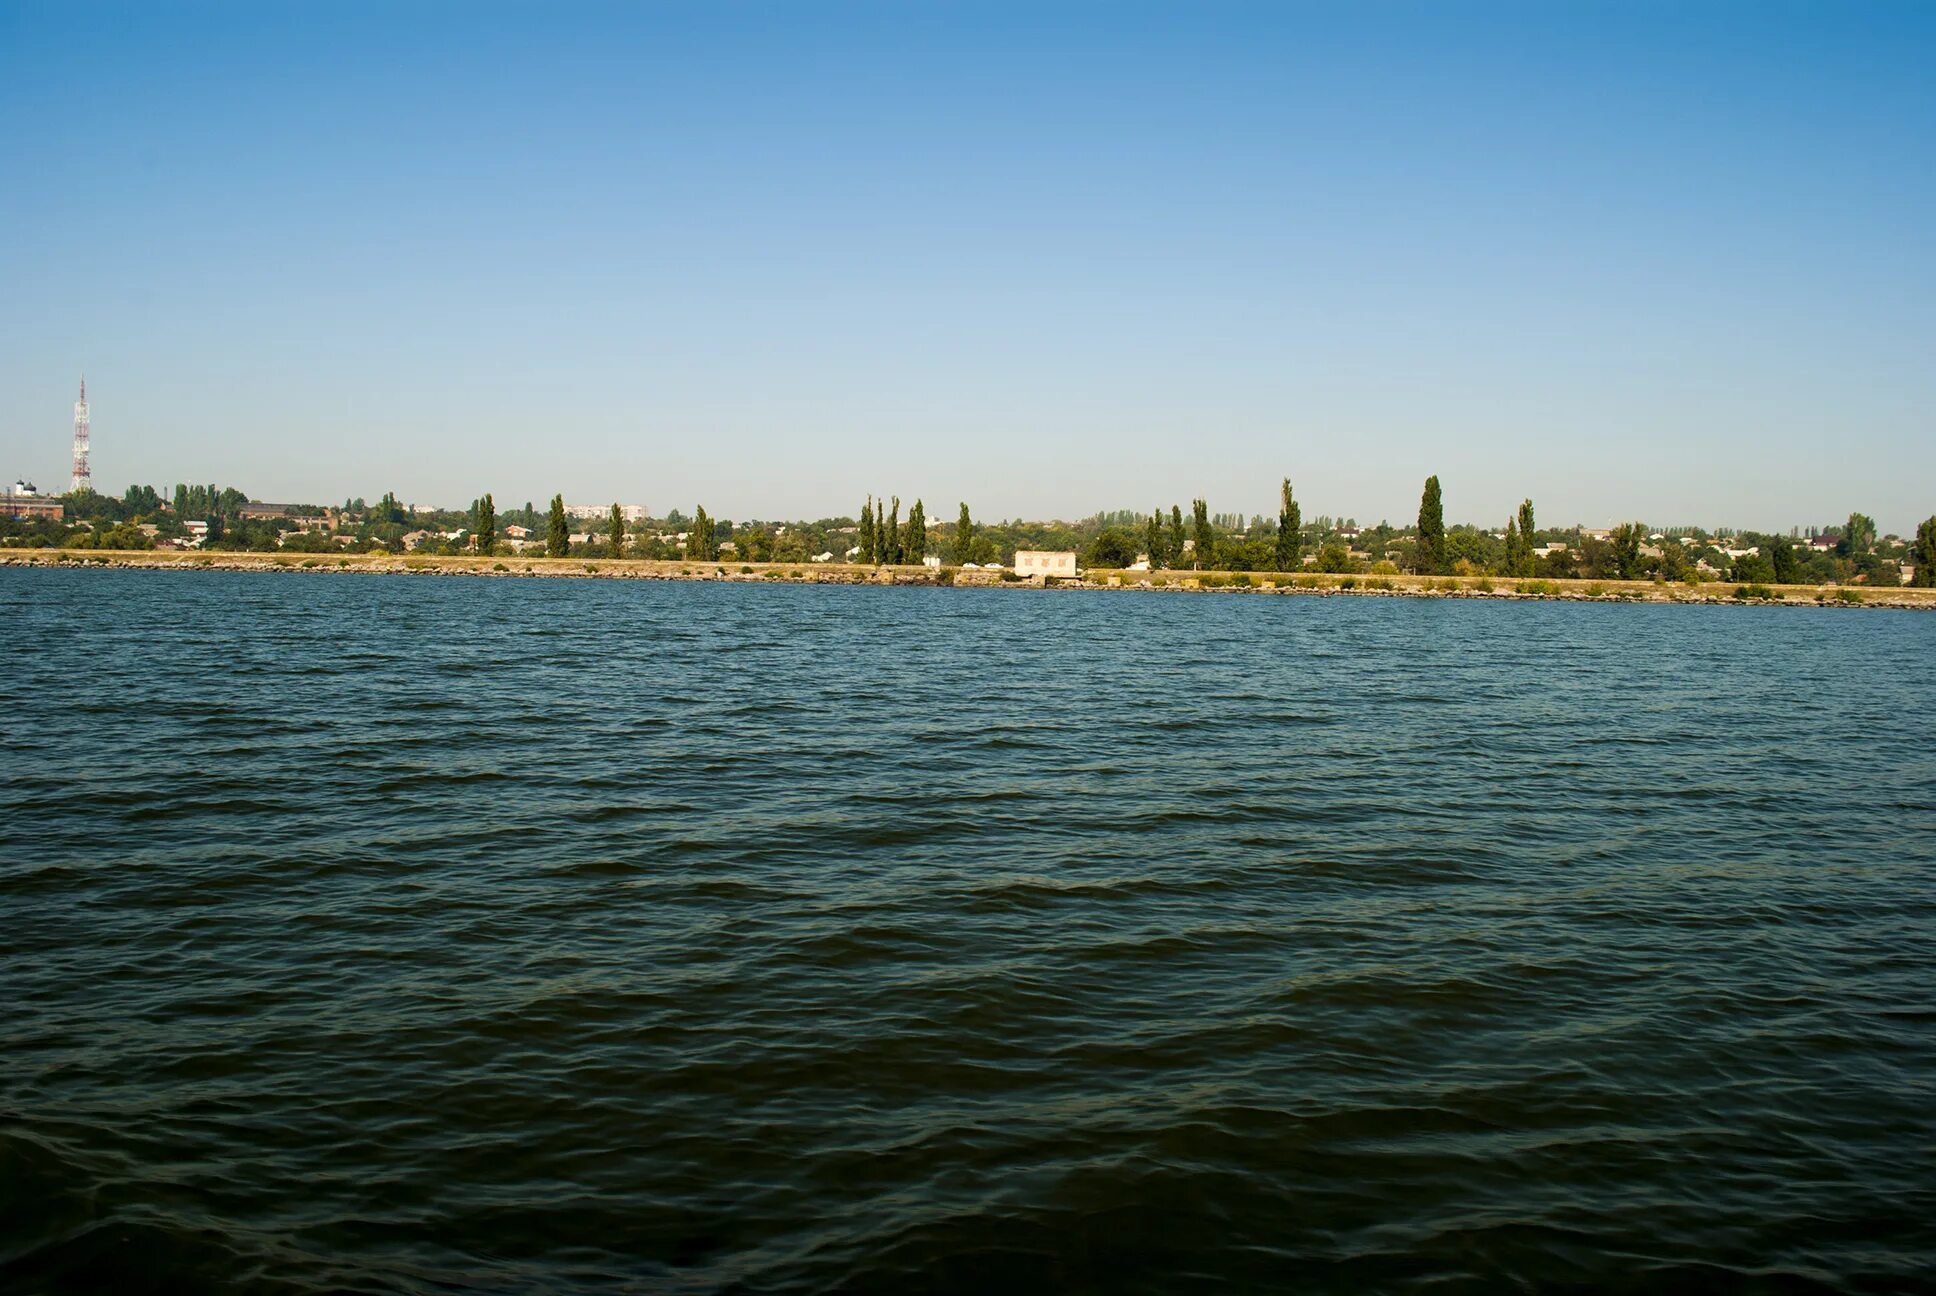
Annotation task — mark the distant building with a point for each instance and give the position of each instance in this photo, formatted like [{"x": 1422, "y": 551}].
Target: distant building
[
  {"x": 24, "y": 500},
  {"x": 1045, "y": 562},
  {"x": 931, "y": 560},
  {"x": 599, "y": 512},
  {"x": 517, "y": 533}
]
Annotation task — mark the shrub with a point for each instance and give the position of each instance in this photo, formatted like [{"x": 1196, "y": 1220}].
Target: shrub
[
  {"x": 1384, "y": 567},
  {"x": 1377, "y": 583},
  {"x": 1545, "y": 587},
  {"x": 312, "y": 562},
  {"x": 1210, "y": 581},
  {"x": 1349, "y": 582},
  {"x": 499, "y": 567},
  {"x": 1755, "y": 591},
  {"x": 1595, "y": 590},
  {"x": 1483, "y": 585},
  {"x": 591, "y": 567},
  {"x": 1012, "y": 578},
  {"x": 1446, "y": 585},
  {"x": 946, "y": 576},
  {"x": 1849, "y": 595},
  {"x": 1307, "y": 582},
  {"x": 746, "y": 571}
]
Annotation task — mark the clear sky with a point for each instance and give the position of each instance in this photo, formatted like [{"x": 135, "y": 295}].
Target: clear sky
[{"x": 1662, "y": 261}]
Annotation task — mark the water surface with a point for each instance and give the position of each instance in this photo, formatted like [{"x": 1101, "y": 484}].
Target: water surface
[{"x": 482, "y": 935}]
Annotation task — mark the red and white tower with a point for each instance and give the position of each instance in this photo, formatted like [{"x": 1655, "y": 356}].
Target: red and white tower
[{"x": 83, "y": 477}]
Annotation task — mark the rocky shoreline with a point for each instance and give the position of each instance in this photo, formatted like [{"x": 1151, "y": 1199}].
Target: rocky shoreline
[{"x": 1267, "y": 583}]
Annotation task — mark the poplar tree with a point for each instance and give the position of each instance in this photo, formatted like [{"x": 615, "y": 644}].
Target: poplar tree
[
  {"x": 890, "y": 536},
  {"x": 964, "y": 536},
  {"x": 867, "y": 531},
  {"x": 484, "y": 524},
  {"x": 699, "y": 542},
  {"x": 1174, "y": 549},
  {"x": 1153, "y": 539},
  {"x": 1290, "y": 531},
  {"x": 914, "y": 545},
  {"x": 1525, "y": 538},
  {"x": 617, "y": 527},
  {"x": 1431, "y": 530},
  {"x": 1511, "y": 565},
  {"x": 557, "y": 530},
  {"x": 1200, "y": 523}
]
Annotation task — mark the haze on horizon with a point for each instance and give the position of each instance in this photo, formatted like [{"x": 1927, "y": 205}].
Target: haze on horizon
[{"x": 1631, "y": 261}]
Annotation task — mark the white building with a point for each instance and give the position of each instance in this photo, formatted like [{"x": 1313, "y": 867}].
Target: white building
[
  {"x": 600, "y": 512},
  {"x": 1045, "y": 562}
]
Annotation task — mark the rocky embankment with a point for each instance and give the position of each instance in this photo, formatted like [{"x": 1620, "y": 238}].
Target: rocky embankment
[{"x": 1254, "y": 583}]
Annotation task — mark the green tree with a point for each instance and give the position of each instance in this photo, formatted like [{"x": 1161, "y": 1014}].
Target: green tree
[
  {"x": 1525, "y": 567},
  {"x": 616, "y": 526},
  {"x": 1288, "y": 555},
  {"x": 1153, "y": 540},
  {"x": 1781, "y": 557},
  {"x": 1858, "y": 537},
  {"x": 1626, "y": 549},
  {"x": 914, "y": 541},
  {"x": 1173, "y": 547},
  {"x": 1205, "y": 536},
  {"x": 484, "y": 524},
  {"x": 1511, "y": 560},
  {"x": 890, "y": 536},
  {"x": 557, "y": 529},
  {"x": 866, "y": 541},
  {"x": 1431, "y": 530},
  {"x": 699, "y": 536},
  {"x": 1923, "y": 553},
  {"x": 964, "y": 536},
  {"x": 1112, "y": 548}
]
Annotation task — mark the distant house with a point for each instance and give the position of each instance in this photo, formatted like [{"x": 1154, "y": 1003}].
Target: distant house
[
  {"x": 1045, "y": 562},
  {"x": 411, "y": 539},
  {"x": 517, "y": 533},
  {"x": 824, "y": 557}
]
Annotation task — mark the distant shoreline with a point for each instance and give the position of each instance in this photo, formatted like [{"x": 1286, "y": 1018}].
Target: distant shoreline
[{"x": 1266, "y": 583}]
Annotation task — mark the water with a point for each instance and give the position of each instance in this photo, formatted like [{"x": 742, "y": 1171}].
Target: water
[{"x": 463, "y": 935}]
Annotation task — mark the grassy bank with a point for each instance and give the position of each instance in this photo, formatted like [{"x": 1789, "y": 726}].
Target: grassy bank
[{"x": 1254, "y": 583}]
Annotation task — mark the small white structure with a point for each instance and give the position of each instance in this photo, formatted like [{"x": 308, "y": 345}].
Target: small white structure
[
  {"x": 931, "y": 560},
  {"x": 1045, "y": 562}
]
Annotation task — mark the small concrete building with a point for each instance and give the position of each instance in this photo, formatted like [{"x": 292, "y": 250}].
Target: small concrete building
[{"x": 1045, "y": 562}]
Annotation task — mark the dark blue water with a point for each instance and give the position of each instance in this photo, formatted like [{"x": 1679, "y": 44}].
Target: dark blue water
[{"x": 466, "y": 935}]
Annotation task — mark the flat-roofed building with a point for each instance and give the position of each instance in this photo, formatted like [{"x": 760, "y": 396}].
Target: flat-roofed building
[{"x": 1045, "y": 562}]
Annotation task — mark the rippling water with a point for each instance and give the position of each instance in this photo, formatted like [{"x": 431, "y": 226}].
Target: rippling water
[{"x": 438, "y": 934}]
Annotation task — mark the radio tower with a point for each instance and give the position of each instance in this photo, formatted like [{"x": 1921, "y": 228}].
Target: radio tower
[{"x": 83, "y": 478}]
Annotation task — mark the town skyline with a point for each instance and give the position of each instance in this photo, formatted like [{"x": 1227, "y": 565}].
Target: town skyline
[{"x": 586, "y": 502}]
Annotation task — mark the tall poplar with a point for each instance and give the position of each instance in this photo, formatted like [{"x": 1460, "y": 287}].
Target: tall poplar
[
  {"x": 1153, "y": 540},
  {"x": 914, "y": 544},
  {"x": 1174, "y": 549},
  {"x": 964, "y": 536},
  {"x": 1511, "y": 565},
  {"x": 1290, "y": 531},
  {"x": 617, "y": 529},
  {"x": 1525, "y": 538},
  {"x": 890, "y": 543},
  {"x": 866, "y": 541},
  {"x": 557, "y": 529},
  {"x": 1200, "y": 524},
  {"x": 484, "y": 524},
  {"x": 1431, "y": 530}
]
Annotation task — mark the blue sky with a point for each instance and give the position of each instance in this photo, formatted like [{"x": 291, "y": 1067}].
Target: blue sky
[{"x": 1660, "y": 261}]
